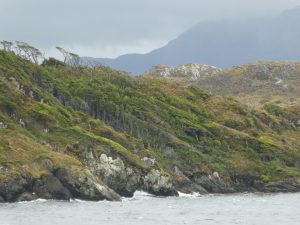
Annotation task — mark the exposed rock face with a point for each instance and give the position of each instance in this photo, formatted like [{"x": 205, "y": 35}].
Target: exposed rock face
[
  {"x": 185, "y": 185},
  {"x": 86, "y": 186},
  {"x": 58, "y": 185},
  {"x": 113, "y": 172},
  {"x": 125, "y": 180},
  {"x": 27, "y": 196},
  {"x": 267, "y": 79},
  {"x": 265, "y": 70},
  {"x": 49, "y": 187},
  {"x": 149, "y": 161},
  {"x": 11, "y": 188},
  {"x": 159, "y": 183},
  {"x": 213, "y": 183},
  {"x": 193, "y": 72},
  {"x": 246, "y": 182},
  {"x": 289, "y": 185},
  {"x": 63, "y": 185}
]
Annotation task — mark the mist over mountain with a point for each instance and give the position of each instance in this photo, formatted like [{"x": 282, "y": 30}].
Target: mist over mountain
[{"x": 222, "y": 44}]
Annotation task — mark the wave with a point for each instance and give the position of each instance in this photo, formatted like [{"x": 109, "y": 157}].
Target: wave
[
  {"x": 33, "y": 201},
  {"x": 138, "y": 195},
  {"x": 190, "y": 195}
]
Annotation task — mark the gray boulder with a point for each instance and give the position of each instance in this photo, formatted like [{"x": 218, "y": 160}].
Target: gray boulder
[
  {"x": 114, "y": 173},
  {"x": 159, "y": 183},
  {"x": 27, "y": 196},
  {"x": 213, "y": 183},
  {"x": 49, "y": 187},
  {"x": 185, "y": 185},
  {"x": 12, "y": 187},
  {"x": 287, "y": 186},
  {"x": 84, "y": 185}
]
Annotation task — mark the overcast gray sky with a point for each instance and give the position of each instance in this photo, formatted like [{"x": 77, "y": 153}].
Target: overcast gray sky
[{"x": 109, "y": 28}]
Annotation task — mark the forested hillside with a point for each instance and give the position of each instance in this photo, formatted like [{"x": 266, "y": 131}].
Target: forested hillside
[{"x": 97, "y": 133}]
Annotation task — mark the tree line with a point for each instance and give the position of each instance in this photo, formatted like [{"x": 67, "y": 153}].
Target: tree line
[{"x": 30, "y": 53}]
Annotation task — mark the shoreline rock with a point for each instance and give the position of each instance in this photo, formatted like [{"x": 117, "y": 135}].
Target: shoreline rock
[
  {"x": 106, "y": 178},
  {"x": 59, "y": 185},
  {"x": 159, "y": 183},
  {"x": 50, "y": 187}
]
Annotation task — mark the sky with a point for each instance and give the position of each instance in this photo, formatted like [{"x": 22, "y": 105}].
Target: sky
[{"x": 109, "y": 28}]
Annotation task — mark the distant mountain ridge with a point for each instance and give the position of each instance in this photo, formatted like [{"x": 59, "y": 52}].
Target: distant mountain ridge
[{"x": 223, "y": 44}]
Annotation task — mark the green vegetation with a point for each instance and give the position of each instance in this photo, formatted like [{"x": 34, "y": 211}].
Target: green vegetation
[
  {"x": 275, "y": 110},
  {"x": 67, "y": 111}
]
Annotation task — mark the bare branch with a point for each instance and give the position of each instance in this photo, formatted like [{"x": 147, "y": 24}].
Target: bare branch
[
  {"x": 70, "y": 58},
  {"x": 28, "y": 52},
  {"x": 6, "y": 45}
]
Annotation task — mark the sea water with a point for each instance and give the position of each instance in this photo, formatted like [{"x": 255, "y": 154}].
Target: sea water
[{"x": 241, "y": 209}]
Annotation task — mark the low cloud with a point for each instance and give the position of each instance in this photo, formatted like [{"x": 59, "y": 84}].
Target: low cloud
[{"x": 108, "y": 28}]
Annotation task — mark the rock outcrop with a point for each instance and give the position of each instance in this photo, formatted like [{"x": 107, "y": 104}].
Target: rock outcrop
[
  {"x": 125, "y": 180},
  {"x": 114, "y": 173},
  {"x": 86, "y": 186},
  {"x": 288, "y": 185},
  {"x": 50, "y": 187},
  {"x": 191, "y": 72},
  {"x": 12, "y": 187},
  {"x": 59, "y": 185},
  {"x": 159, "y": 183}
]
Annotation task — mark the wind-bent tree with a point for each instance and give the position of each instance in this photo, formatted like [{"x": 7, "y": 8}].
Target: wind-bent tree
[
  {"x": 21, "y": 49},
  {"x": 28, "y": 52},
  {"x": 65, "y": 54},
  {"x": 74, "y": 60},
  {"x": 6, "y": 45},
  {"x": 35, "y": 54},
  {"x": 70, "y": 58}
]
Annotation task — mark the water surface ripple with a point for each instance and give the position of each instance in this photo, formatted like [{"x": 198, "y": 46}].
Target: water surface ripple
[{"x": 241, "y": 209}]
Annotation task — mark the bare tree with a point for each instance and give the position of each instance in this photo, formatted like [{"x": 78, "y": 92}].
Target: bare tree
[
  {"x": 35, "y": 54},
  {"x": 74, "y": 60},
  {"x": 70, "y": 58},
  {"x": 65, "y": 54},
  {"x": 6, "y": 45},
  {"x": 21, "y": 49},
  {"x": 28, "y": 52}
]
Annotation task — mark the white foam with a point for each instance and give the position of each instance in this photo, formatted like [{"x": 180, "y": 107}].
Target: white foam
[
  {"x": 33, "y": 201},
  {"x": 78, "y": 200},
  {"x": 190, "y": 195},
  {"x": 139, "y": 195}
]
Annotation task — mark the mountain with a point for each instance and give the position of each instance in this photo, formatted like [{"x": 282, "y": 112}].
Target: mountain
[
  {"x": 255, "y": 84},
  {"x": 97, "y": 133},
  {"x": 222, "y": 44}
]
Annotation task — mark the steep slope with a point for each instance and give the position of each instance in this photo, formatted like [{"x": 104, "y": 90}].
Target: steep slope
[
  {"x": 96, "y": 133},
  {"x": 223, "y": 44}
]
